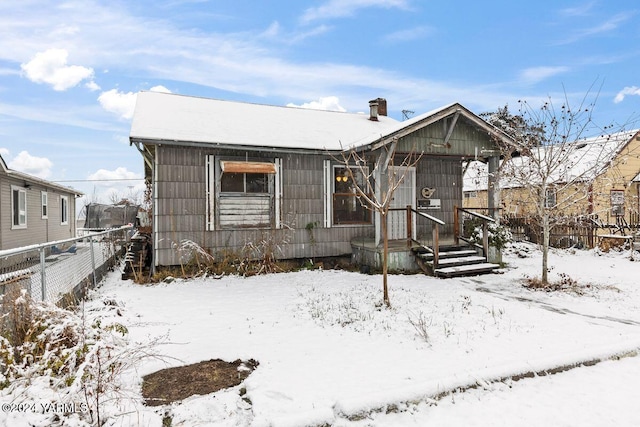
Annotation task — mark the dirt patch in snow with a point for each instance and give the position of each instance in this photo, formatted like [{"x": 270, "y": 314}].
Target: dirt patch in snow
[{"x": 174, "y": 384}]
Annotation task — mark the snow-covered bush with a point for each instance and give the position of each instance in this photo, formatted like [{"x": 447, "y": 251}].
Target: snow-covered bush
[
  {"x": 499, "y": 235},
  {"x": 50, "y": 354}
]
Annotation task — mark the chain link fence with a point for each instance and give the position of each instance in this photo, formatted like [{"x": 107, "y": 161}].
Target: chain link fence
[{"x": 63, "y": 269}]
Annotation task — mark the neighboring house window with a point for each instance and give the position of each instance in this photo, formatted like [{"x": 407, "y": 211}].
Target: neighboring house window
[
  {"x": 243, "y": 194},
  {"x": 45, "y": 204},
  {"x": 64, "y": 210},
  {"x": 617, "y": 202},
  {"x": 19, "y": 207},
  {"x": 346, "y": 204},
  {"x": 550, "y": 198}
]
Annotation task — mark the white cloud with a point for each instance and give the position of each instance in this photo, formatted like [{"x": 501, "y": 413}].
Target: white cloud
[
  {"x": 408, "y": 34},
  {"x": 604, "y": 27},
  {"x": 51, "y": 67},
  {"x": 92, "y": 86},
  {"x": 4, "y": 152},
  {"x": 115, "y": 185},
  {"x": 580, "y": 10},
  {"x": 117, "y": 174},
  {"x": 629, "y": 90},
  {"x": 329, "y": 103},
  {"x": 343, "y": 8},
  {"x": 122, "y": 103},
  {"x": 537, "y": 74},
  {"x": 36, "y": 166},
  {"x": 117, "y": 102},
  {"x": 159, "y": 88}
]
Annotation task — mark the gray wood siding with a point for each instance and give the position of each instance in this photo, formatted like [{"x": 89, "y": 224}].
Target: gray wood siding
[
  {"x": 445, "y": 175},
  {"x": 465, "y": 140},
  {"x": 181, "y": 208},
  {"x": 38, "y": 230}
]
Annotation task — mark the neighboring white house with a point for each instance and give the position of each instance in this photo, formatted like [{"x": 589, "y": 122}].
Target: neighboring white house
[{"x": 33, "y": 210}]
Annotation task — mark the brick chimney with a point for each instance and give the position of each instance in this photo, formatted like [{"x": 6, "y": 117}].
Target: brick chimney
[
  {"x": 382, "y": 106},
  {"x": 377, "y": 107}
]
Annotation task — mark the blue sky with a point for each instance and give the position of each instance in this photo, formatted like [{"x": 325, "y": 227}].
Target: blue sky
[{"x": 69, "y": 70}]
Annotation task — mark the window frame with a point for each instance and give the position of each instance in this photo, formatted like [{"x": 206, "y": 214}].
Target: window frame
[
  {"x": 617, "y": 202},
  {"x": 44, "y": 204},
  {"x": 550, "y": 194},
  {"x": 357, "y": 203},
  {"x": 16, "y": 213},
  {"x": 64, "y": 210},
  {"x": 216, "y": 198}
]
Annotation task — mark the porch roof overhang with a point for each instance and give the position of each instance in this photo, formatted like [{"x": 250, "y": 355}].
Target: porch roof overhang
[{"x": 457, "y": 112}]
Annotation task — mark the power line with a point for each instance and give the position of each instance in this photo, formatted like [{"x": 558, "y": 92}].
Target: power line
[{"x": 100, "y": 180}]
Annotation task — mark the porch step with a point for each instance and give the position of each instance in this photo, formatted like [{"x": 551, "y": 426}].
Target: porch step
[
  {"x": 466, "y": 270},
  {"x": 453, "y": 261},
  {"x": 444, "y": 254}
]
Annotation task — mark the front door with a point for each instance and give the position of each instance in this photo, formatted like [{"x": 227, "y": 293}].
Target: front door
[{"x": 404, "y": 195}]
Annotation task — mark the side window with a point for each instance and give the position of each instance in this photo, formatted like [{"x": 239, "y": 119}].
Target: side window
[
  {"x": 45, "y": 204},
  {"x": 19, "y": 207},
  {"x": 64, "y": 210}
]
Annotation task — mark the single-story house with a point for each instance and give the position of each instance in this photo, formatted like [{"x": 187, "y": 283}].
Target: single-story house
[
  {"x": 34, "y": 210},
  {"x": 229, "y": 174}
]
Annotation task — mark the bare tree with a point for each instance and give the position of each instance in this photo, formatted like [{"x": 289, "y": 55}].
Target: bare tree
[
  {"x": 557, "y": 153},
  {"x": 376, "y": 188}
]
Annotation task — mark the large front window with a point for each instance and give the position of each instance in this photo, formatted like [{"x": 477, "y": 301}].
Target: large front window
[
  {"x": 348, "y": 207},
  {"x": 247, "y": 196}
]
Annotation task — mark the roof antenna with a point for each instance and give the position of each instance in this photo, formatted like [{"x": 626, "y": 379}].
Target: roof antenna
[{"x": 406, "y": 114}]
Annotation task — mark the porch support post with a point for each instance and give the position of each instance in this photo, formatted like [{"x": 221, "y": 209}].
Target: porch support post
[
  {"x": 409, "y": 226},
  {"x": 494, "y": 188}
]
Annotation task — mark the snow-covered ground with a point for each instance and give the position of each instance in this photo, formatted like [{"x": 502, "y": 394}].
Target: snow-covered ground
[{"x": 329, "y": 353}]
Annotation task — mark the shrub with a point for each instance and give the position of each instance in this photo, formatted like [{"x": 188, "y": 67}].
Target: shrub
[{"x": 499, "y": 235}]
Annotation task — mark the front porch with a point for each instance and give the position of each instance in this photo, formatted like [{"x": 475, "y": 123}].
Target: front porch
[{"x": 446, "y": 256}]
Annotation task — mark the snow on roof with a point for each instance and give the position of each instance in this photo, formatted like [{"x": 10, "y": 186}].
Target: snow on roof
[
  {"x": 581, "y": 160},
  {"x": 171, "y": 117},
  {"x": 35, "y": 180}
]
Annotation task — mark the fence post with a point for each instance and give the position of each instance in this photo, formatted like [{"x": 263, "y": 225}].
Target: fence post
[
  {"x": 43, "y": 275},
  {"x": 93, "y": 262}
]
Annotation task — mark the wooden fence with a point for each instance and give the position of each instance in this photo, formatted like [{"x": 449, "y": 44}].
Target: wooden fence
[{"x": 565, "y": 233}]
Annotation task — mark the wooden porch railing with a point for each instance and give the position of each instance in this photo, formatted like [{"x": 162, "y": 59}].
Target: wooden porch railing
[
  {"x": 434, "y": 230},
  {"x": 458, "y": 234}
]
